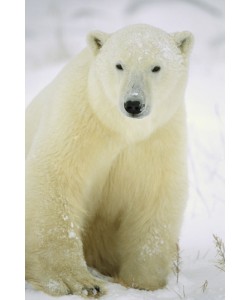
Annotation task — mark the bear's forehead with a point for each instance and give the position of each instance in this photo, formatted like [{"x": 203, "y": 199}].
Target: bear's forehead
[{"x": 144, "y": 44}]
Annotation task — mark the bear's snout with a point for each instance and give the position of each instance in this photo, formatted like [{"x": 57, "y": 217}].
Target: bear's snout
[{"x": 133, "y": 107}]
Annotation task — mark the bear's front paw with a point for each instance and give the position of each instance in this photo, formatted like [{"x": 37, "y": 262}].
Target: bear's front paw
[{"x": 81, "y": 284}]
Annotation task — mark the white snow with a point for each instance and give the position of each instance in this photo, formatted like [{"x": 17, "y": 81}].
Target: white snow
[
  {"x": 53, "y": 285},
  {"x": 85, "y": 292},
  {"x": 65, "y": 217},
  {"x": 72, "y": 234},
  {"x": 56, "y": 30},
  {"x": 153, "y": 246}
]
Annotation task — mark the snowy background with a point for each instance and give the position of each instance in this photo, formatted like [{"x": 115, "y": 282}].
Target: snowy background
[{"x": 56, "y": 31}]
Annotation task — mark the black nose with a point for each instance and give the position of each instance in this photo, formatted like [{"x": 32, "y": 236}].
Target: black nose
[{"x": 133, "y": 107}]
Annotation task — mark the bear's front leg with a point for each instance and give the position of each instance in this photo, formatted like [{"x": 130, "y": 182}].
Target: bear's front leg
[
  {"x": 64, "y": 177},
  {"x": 147, "y": 253},
  {"x": 55, "y": 261}
]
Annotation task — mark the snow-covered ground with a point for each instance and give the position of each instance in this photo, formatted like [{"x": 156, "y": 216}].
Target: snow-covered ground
[{"x": 56, "y": 30}]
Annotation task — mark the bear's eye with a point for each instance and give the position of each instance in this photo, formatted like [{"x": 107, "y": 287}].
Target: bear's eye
[
  {"x": 156, "y": 69},
  {"x": 119, "y": 67}
]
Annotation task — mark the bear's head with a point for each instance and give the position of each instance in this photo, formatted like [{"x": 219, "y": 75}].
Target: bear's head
[{"x": 137, "y": 77}]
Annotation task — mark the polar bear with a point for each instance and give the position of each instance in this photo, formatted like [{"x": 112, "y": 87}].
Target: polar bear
[{"x": 106, "y": 170}]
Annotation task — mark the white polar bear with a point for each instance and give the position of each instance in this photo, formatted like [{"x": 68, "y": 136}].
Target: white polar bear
[{"x": 106, "y": 175}]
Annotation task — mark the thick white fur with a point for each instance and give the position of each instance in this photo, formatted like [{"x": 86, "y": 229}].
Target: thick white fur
[{"x": 102, "y": 188}]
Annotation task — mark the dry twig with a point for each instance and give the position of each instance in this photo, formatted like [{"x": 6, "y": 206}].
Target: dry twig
[
  {"x": 177, "y": 263},
  {"x": 220, "y": 247},
  {"x": 204, "y": 286}
]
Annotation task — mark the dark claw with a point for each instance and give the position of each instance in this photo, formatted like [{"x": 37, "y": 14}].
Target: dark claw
[
  {"x": 93, "y": 291},
  {"x": 97, "y": 288}
]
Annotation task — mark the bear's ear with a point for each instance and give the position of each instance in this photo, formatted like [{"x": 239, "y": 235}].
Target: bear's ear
[
  {"x": 96, "y": 40},
  {"x": 184, "y": 41}
]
